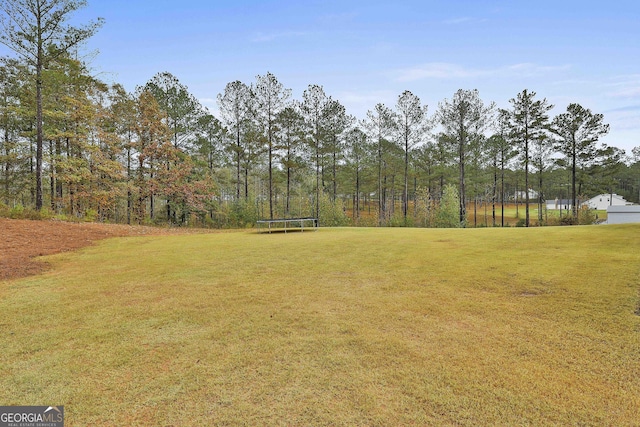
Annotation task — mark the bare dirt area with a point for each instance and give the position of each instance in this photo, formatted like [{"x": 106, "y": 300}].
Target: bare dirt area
[{"x": 21, "y": 241}]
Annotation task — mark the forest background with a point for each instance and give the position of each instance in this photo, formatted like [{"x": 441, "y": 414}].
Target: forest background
[{"x": 73, "y": 146}]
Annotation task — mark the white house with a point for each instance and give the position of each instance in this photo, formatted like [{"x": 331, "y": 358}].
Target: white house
[
  {"x": 603, "y": 201},
  {"x": 522, "y": 195},
  {"x": 558, "y": 204}
]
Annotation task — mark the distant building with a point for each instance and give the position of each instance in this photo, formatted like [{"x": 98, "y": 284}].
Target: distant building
[
  {"x": 558, "y": 204},
  {"x": 623, "y": 214},
  {"x": 603, "y": 201},
  {"x": 599, "y": 202},
  {"x": 522, "y": 195}
]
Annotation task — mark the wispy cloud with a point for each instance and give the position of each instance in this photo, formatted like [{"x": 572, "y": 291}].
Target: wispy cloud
[
  {"x": 443, "y": 70},
  {"x": 461, "y": 20},
  {"x": 626, "y": 109},
  {"x": 624, "y": 121},
  {"x": 631, "y": 92},
  {"x": 337, "y": 18},
  {"x": 528, "y": 69},
  {"x": 624, "y": 118},
  {"x": 261, "y": 37},
  {"x": 435, "y": 70},
  {"x": 626, "y": 86}
]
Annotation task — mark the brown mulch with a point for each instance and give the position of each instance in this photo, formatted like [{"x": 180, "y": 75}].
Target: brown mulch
[{"x": 23, "y": 240}]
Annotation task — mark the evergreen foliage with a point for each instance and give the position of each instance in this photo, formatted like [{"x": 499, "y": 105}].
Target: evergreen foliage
[{"x": 79, "y": 148}]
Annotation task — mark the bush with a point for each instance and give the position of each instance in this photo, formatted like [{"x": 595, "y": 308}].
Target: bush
[
  {"x": 243, "y": 213},
  {"x": 552, "y": 221},
  {"x": 90, "y": 215},
  {"x": 426, "y": 208},
  {"x": 332, "y": 214},
  {"x": 235, "y": 214},
  {"x": 448, "y": 214},
  {"x": 568, "y": 220},
  {"x": 17, "y": 212},
  {"x": 20, "y": 212},
  {"x": 397, "y": 220},
  {"x": 368, "y": 221},
  {"x": 586, "y": 216}
]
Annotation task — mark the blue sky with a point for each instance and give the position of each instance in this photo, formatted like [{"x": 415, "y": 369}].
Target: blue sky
[{"x": 365, "y": 52}]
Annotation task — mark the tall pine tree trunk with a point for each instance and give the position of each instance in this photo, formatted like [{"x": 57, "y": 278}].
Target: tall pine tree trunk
[
  {"x": 128, "y": 185},
  {"x": 270, "y": 177},
  {"x": 463, "y": 197},
  {"x": 39, "y": 131},
  {"x": 52, "y": 177}
]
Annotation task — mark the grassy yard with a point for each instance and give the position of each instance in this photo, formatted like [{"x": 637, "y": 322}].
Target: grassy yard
[{"x": 357, "y": 326}]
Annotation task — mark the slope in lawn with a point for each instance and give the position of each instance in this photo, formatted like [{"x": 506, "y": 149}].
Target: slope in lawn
[{"x": 336, "y": 327}]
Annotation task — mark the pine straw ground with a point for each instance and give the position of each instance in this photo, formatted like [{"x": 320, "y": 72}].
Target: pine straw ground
[
  {"x": 339, "y": 327},
  {"x": 21, "y": 241}
]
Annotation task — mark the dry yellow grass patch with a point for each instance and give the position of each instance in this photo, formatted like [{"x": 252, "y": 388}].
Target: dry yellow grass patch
[{"x": 336, "y": 327}]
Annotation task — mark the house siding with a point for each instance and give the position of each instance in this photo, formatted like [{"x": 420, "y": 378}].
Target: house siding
[{"x": 623, "y": 214}]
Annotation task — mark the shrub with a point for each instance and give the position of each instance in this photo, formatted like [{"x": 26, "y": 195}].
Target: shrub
[
  {"x": 367, "y": 221},
  {"x": 235, "y": 214},
  {"x": 586, "y": 216},
  {"x": 332, "y": 214},
  {"x": 426, "y": 208},
  {"x": 397, "y": 220},
  {"x": 552, "y": 221},
  {"x": 20, "y": 212},
  {"x": 17, "y": 212},
  {"x": 90, "y": 215},
  {"x": 448, "y": 213}
]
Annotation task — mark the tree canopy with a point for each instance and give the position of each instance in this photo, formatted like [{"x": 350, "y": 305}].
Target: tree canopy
[{"x": 76, "y": 146}]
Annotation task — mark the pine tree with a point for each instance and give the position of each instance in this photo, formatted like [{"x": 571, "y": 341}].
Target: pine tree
[
  {"x": 528, "y": 123},
  {"x": 379, "y": 126},
  {"x": 235, "y": 110},
  {"x": 463, "y": 119},
  {"x": 314, "y": 102},
  {"x": 270, "y": 98},
  {"x": 36, "y": 31},
  {"x": 411, "y": 126},
  {"x": 578, "y": 131}
]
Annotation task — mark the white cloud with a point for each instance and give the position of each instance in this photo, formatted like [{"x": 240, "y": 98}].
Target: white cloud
[
  {"x": 435, "y": 70},
  {"x": 624, "y": 119},
  {"x": 268, "y": 37},
  {"x": 627, "y": 86},
  {"x": 528, "y": 69},
  {"x": 462, "y": 20},
  {"x": 337, "y": 18},
  {"x": 443, "y": 70},
  {"x": 628, "y": 108},
  {"x": 629, "y": 92}
]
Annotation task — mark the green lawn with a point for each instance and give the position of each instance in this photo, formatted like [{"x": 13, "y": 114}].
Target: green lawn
[
  {"x": 512, "y": 214},
  {"x": 354, "y": 326}
]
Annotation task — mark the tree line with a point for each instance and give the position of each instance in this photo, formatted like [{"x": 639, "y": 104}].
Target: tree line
[{"x": 72, "y": 145}]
